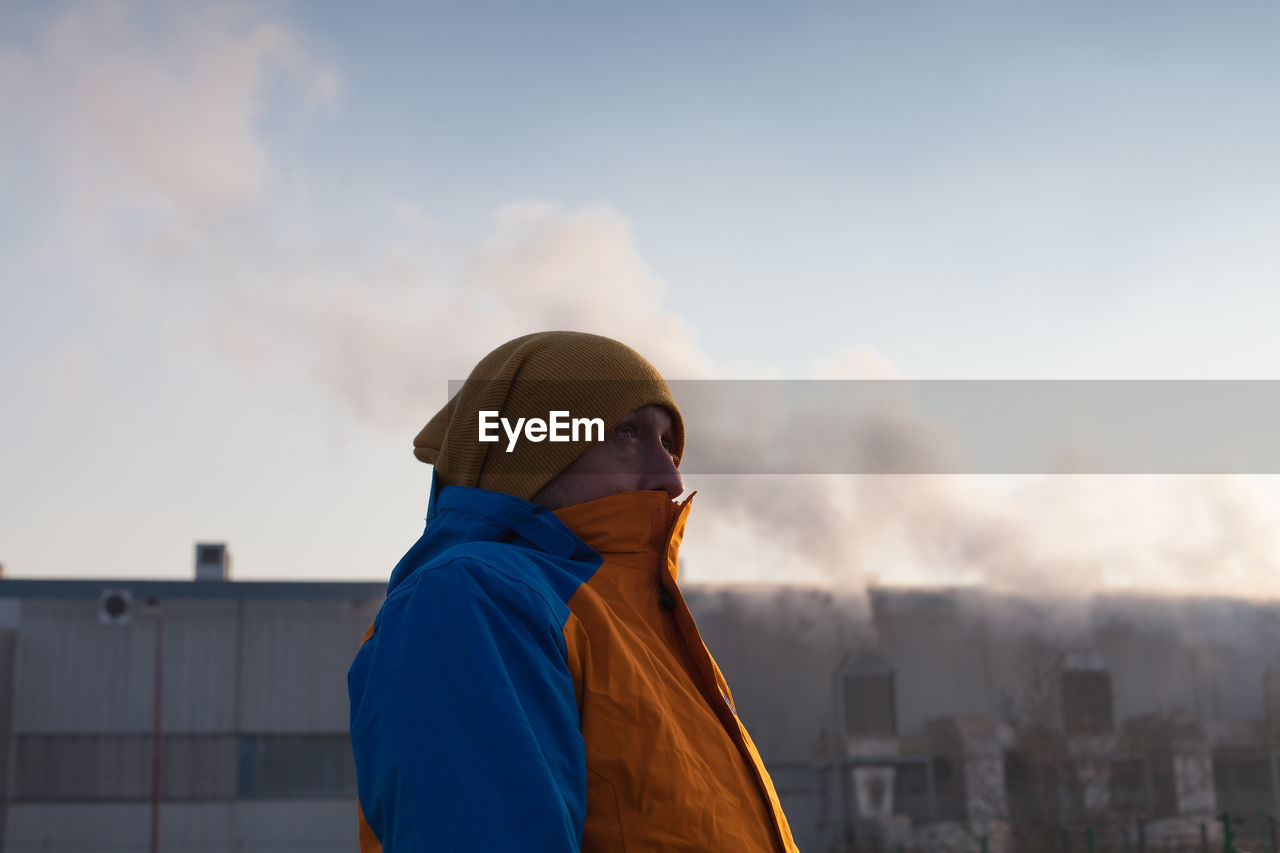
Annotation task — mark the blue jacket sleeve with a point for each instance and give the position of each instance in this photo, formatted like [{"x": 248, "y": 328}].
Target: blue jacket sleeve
[{"x": 464, "y": 720}]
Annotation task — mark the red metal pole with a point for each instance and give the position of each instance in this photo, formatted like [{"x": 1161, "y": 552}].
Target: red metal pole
[{"x": 157, "y": 740}]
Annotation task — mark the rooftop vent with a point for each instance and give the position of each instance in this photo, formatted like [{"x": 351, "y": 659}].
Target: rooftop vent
[{"x": 213, "y": 563}]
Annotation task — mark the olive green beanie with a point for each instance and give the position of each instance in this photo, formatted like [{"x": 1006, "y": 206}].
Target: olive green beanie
[{"x": 586, "y": 375}]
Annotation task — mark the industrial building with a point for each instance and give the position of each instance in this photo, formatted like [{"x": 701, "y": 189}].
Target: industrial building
[
  {"x": 966, "y": 720},
  {"x": 931, "y": 719}
]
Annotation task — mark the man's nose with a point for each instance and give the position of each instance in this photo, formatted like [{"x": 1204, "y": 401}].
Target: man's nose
[{"x": 661, "y": 474}]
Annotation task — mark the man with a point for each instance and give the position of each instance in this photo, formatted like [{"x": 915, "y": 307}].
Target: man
[{"x": 534, "y": 680}]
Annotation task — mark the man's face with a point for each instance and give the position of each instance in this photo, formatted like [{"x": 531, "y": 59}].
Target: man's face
[{"x": 634, "y": 456}]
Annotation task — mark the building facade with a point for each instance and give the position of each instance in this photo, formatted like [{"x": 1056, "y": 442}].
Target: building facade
[
  {"x": 965, "y": 720},
  {"x": 255, "y": 754},
  {"x": 938, "y": 720}
]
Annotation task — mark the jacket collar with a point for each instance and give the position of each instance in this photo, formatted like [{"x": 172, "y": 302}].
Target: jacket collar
[
  {"x": 631, "y": 528},
  {"x": 461, "y": 514}
]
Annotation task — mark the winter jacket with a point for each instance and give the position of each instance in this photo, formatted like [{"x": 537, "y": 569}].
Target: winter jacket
[{"x": 535, "y": 682}]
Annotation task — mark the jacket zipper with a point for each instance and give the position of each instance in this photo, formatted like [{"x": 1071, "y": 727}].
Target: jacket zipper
[{"x": 671, "y": 608}]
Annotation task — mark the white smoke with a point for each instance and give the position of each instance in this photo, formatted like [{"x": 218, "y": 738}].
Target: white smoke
[
  {"x": 152, "y": 103},
  {"x": 163, "y": 171}
]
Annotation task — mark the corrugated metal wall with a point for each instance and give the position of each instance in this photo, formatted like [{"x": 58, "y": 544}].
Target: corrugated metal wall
[
  {"x": 78, "y": 676},
  {"x": 256, "y": 753},
  {"x": 292, "y": 651},
  {"x": 254, "y": 666},
  {"x": 115, "y": 767},
  {"x": 276, "y": 827},
  {"x": 73, "y": 675}
]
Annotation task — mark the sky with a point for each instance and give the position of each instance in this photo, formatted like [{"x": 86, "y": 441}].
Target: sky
[{"x": 244, "y": 246}]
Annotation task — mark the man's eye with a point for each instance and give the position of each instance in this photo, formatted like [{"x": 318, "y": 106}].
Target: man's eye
[{"x": 626, "y": 431}]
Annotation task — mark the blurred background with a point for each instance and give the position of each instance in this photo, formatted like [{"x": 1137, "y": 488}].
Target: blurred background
[{"x": 244, "y": 247}]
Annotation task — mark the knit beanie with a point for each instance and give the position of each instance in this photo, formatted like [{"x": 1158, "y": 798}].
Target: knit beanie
[{"x": 586, "y": 375}]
